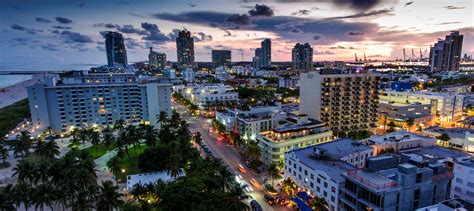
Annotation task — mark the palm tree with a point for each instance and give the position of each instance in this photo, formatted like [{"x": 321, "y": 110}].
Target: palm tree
[
  {"x": 445, "y": 138},
  {"x": 25, "y": 171},
  {"x": 6, "y": 198},
  {"x": 95, "y": 139},
  {"x": 174, "y": 167},
  {"x": 3, "y": 154},
  {"x": 273, "y": 172},
  {"x": 47, "y": 149},
  {"x": 419, "y": 129},
  {"x": 114, "y": 166},
  {"x": 24, "y": 142},
  {"x": 119, "y": 125},
  {"x": 288, "y": 187},
  {"x": 149, "y": 134},
  {"x": 236, "y": 198},
  {"x": 43, "y": 194},
  {"x": 253, "y": 151},
  {"x": 74, "y": 143},
  {"x": 109, "y": 139},
  {"x": 319, "y": 204},
  {"x": 108, "y": 198},
  {"x": 409, "y": 122},
  {"x": 22, "y": 194},
  {"x": 162, "y": 119},
  {"x": 225, "y": 178}
]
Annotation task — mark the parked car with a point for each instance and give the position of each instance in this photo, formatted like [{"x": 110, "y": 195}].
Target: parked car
[
  {"x": 270, "y": 200},
  {"x": 255, "y": 205}
]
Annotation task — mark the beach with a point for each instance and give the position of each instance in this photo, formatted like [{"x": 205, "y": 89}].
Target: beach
[{"x": 14, "y": 93}]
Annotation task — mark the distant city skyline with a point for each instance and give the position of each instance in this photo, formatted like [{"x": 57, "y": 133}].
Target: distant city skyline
[{"x": 57, "y": 34}]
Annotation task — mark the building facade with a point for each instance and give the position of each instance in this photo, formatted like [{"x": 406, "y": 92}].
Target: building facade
[
  {"x": 115, "y": 48},
  {"x": 156, "y": 60},
  {"x": 185, "y": 49},
  {"x": 318, "y": 169},
  {"x": 298, "y": 132},
  {"x": 398, "y": 142},
  {"x": 210, "y": 96},
  {"x": 445, "y": 55},
  {"x": 82, "y": 102},
  {"x": 221, "y": 58},
  {"x": 345, "y": 101},
  {"x": 389, "y": 183},
  {"x": 266, "y": 56},
  {"x": 463, "y": 182},
  {"x": 302, "y": 57}
]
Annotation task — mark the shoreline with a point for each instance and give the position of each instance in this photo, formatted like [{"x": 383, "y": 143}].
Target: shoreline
[{"x": 16, "y": 92}]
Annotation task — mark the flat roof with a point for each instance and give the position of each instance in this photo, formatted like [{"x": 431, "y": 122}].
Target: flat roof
[
  {"x": 333, "y": 168},
  {"x": 440, "y": 153},
  {"x": 457, "y": 132},
  {"x": 399, "y": 136},
  {"x": 342, "y": 147}
]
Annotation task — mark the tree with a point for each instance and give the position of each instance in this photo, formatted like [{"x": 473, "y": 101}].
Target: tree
[
  {"x": 109, "y": 138},
  {"x": 95, "y": 139},
  {"x": 419, "y": 129},
  {"x": 236, "y": 198},
  {"x": 108, "y": 198},
  {"x": 391, "y": 127},
  {"x": 6, "y": 198},
  {"x": 114, "y": 166},
  {"x": 3, "y": 154},
  {"x": 445, "y": 138},
  {"x": 47, "y": 149},
  {"x": 253, "y": 151},
  {"x": 25, "y": 171},
  {"x": 174, "y": 167},
  {"x": 273, "y": 172},
  {"x": 119, "y": 125},
  {"x": 319, "y": 204},
  {"x": 24, "y": 142},
  {"x": 288, "y": 187},
  {"x": 409, "y": 122},
  {"x": 43, "y": 194},
  {"x": 225, "y": 178}
]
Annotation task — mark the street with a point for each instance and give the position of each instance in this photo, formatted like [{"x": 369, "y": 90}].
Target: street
[{"x": 229, "y": 155}]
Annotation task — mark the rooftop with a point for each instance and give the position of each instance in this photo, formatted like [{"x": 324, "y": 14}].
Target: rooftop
[
  {"x": 332, "y": 167},
  {"x": 342, "y": 147},
  {"x": 457, "y": 132},
  {"x": 399, "y": 136},
  {"x": 441, "y": 153},
  {"x": 468, "y": 163}
]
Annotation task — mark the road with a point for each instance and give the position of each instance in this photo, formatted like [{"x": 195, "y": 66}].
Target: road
[{"x": 229, "y": 155}]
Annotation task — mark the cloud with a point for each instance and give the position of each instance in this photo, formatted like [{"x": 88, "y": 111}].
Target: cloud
[
  {"x": 192, "y": 5},
  {"x": 201, "y": 36},
  {"x": 261, "y": 11},
  {"x": 301, "y": 12},
  {"x": 81, "y": 5},
  {"x": 76, "y": 37},
  {"x": 338, "y": 47},
  {"x": 296, "y": 31},
  {"x": 133, "y": 44},
  {"x": 25, "y": 29},
  {"x": 42, "y": 20},
  {"x": 154, "y": 33},
  {"x": 356, "y": 33},
  {"x": 239, "y": 19},
  {"x": 448, "y": 23},
  {"x": 49, "y": 47},
  {"x": 317, "y": 37},
  {"x": 63, "y": 20},
  {"x": 387, "y": 11},
  {"x": 62, "y": 27},
  {"x": 106, "y": 25},
  {"x": 316, "y": 52},
  {"x": 129, "y": 29},
  {"x": 453, "y": 7},
  {"x": 55, "y": 31},
  {"x": 100, "y": 47}
]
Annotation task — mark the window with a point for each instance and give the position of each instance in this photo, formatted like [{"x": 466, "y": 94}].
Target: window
[
  {"x": 318, "y": 180},
  {"x": 457, "y": 189},
  {"x": 333, "y": 189},
  {"x": 459, "y": 180},
  {"x": 325, "y": 184},
  {"x": 311, "y": 184}
]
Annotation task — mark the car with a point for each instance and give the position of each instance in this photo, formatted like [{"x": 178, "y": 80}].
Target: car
[
  {"x": 255, "y": 205},
  {"x": 270, "y": 200},
  {"x": 247, "y": 188},
  {"x": 246, "y": 162},
  {"x": 281, "y": 200},
  {"x": 242, "y": 169}
]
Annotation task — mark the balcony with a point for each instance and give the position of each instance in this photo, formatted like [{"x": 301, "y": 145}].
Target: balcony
[{"x": 372, "y": 180}]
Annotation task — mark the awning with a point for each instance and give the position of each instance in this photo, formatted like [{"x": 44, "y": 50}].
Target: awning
[
  {"x": 303, "y": 206},
  {"x": 303, "y": 195}
]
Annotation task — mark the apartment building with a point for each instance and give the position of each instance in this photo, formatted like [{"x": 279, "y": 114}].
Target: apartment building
[
  {"x": 318, "y": 169},
  {"x": 346, "y": 101},
  {"x": 401, "y": 112},
  {"x": 446, "y": 106},
  {"x": 395, "y": 183},
  {"x": 97, "y": 99},
  {"x": 292, "y": 133},
  {"x": 463, "y": 182}
]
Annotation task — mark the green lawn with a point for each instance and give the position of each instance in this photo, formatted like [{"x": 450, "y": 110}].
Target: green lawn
[
  {"x": 98, "y": 150},
  {"x": 13, "y": 114},
  {"x": 131, "y": 165}
]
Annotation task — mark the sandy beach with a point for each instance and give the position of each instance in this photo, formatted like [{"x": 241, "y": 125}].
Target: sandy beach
[{"x": 17, "y": 92}]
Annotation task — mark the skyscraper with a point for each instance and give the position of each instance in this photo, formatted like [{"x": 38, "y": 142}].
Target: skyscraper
[
  {"x": 266, "y": 56},
  {"x": 445, "y": 55},
  {"x": 185, "y": 49},
  {"x": 257, "y": 59},
  {"x": 221, "y": 58},
  {"x": 302, "y": 57},
  {"x": 156, "y": 60},
  {"x": 115, "y": 47},
  {"x": 344, "y": 101}
]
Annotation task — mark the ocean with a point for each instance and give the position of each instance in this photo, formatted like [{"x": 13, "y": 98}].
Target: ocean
[{"x": 8, "y": 80}]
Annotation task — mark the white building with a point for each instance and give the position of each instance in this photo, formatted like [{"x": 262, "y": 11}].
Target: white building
[
  {"x": 460, "y": 138},
  {"x": 97, "y": 99},
  {"x": 249, "y": 123},
  {"x": 290, "y": 83},
  {"x": 462, "y": 185},
  {"x": 401, "y": 141},
  {"x": 292, "y": 133},
  {"x": 226, "y": 118},
  {"x": 169, "y": 73},
  {"x": 149, "y": 178},
  {"x": 188, "y": 75},
  {"x": 447, "y": 106},
  {"x": 318, "y": 169},
  {"x": 208, "y": 95}
]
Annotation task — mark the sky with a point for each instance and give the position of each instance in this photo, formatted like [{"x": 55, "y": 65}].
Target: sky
[{"x": 58, "y": 34}]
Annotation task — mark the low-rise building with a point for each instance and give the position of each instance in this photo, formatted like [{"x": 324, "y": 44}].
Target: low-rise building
[
  {"x": 391, "y": 183},
  {"x": 449, "y": 205},
  {"x": 395, "y": 142},
  {"x": 318, "y": 169},
  {"x": 210, "y": 96},
  {"x": 462, "y": 185},
  {"x": 292, "y": 133},
  {"x": 188, "y": 74},
  {"x": 288, "y": 82},
  {"x": 460, "y": 138},
  {"x": 399, "y": 113}
]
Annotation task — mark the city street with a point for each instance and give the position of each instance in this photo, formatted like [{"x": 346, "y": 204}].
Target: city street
[{"x": 229, "y": 155}]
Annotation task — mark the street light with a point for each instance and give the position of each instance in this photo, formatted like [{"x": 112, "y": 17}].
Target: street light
[{"x": 123, "y": 170}]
